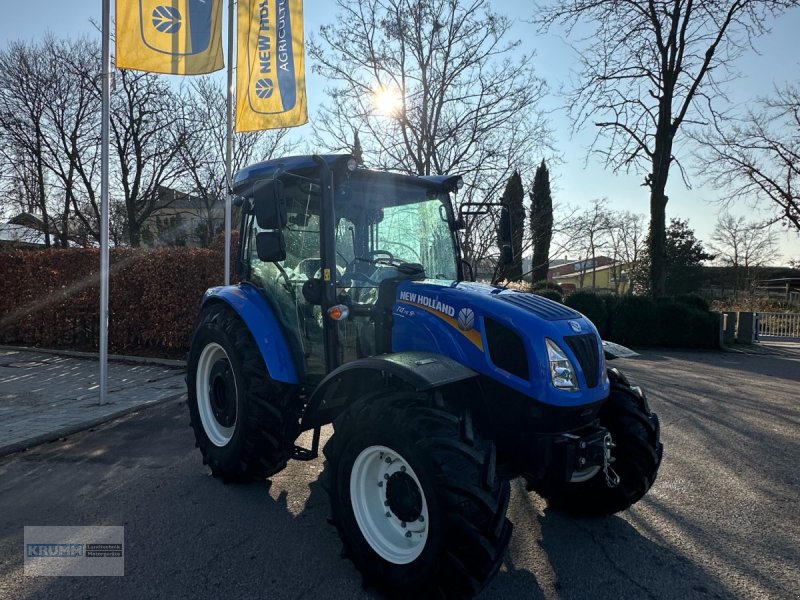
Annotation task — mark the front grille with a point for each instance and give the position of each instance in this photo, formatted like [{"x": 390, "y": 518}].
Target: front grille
[
  {"x": 585, "y": 349},
  {"x": 542, "y": 307}
]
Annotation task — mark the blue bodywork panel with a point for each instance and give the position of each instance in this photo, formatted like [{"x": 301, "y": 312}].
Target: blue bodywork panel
[
  {"x": 257, "y": 314},
  {"x": 447, "y": 317}
]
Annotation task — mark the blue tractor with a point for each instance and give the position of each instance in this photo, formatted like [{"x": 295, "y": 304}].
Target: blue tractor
[{"x": 355, "y": 309}]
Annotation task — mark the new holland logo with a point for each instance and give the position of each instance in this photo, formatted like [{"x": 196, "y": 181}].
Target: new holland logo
[
  {"x": 177, "y": 28},
  {"x": 264, "y": 88},
  {"x": 576, "y": 327},
  {"x": 167, "y": 19},
  {"x": 466, "y": 319}
]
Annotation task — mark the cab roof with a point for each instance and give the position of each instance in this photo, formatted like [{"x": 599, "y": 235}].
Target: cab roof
[{"x": 305, "y": 166}]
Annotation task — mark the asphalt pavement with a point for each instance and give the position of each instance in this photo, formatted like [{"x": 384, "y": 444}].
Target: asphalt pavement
[{"x": 720, "y": 522}]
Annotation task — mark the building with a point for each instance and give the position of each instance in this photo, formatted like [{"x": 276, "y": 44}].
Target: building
[
  {"x": 24, "y": 231},
  {"x": 13, "y": 236},
  {"x": 571, "y": 267},
  {"x": 602, "y": 274},
  {"x": 183, "y": 220}
]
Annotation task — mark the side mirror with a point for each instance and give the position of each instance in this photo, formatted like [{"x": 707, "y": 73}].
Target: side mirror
[
  {"x": 271, "y": 246},
  {"x": 269, "y": 203},
  {"x": 504, "y": 232}
]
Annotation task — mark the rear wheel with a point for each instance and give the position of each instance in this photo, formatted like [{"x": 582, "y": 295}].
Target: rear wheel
[
  {"x": 637, "y": 453},
  {"x": 415, "y": 495},
  {"x": 244, "y": 423}
]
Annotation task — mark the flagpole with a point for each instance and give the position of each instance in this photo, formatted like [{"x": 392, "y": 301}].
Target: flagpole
[
  {"x": 229, "y": 146},
  {"x": 104, "y": 160}
]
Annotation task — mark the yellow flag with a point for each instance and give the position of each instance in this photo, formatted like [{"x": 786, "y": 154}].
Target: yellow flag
[
  {"x": 270, "y": 66},
  {"x": 181, "y": 37}
]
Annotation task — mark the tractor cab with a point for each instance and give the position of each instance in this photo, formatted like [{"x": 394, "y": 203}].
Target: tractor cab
[{"x": 327, "y": 243}]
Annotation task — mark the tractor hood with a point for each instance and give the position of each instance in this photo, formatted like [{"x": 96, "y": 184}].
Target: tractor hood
[{"x": 501, "y": 333}]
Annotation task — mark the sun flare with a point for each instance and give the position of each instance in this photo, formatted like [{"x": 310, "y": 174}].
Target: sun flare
[{"x": 387, "y": 101}]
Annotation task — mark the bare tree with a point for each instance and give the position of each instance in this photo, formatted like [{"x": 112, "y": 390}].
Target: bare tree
[
  {"x": 625, "y": 234},
  {"x": 758, "y": 157},
  {"x": 432, "y": 88},
  {"x": 72, "y": 135},
  {"x": 648, "y": 67},
  {"x": 590, "y": 235},
  {"x": 24, "y": 82},
  {"x": 744, "y": 246},
  {"x": 147, "y": 138},
  {"x": 202, "y": 155},
  {"x": 51, "y": 125}
]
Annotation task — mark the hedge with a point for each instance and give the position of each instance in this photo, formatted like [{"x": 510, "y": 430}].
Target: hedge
[
  {"x": 635, "y": 322},
  {"x": 684, "y": 326},
  {"x": 50, "y": 298},
  {"x": 679, "y": 322},
  {"x": 549, "y": 294},
  {"x": 541, "y": 285},
  {"x": 591, "y": 305}
]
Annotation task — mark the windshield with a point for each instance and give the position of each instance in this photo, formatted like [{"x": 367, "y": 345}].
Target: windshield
[{"x": 387, "y": 222}]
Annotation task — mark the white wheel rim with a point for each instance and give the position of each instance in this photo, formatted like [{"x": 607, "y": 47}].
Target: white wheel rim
[
  {"x": 393, "y": 539},
  {"x": 218, "y": 433}
]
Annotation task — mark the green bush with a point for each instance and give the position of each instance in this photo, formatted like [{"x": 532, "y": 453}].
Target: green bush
[
  {"x": 707, "y": 324},
  {"x": 693, "y": 300},
  {"x": 543, "y": 284},
  {"x": 592, "y": 306},
  {"x": 549, "y": 294},
  {"x": 635, "y": 322},
  {"x": 611, "y": 301},
  {"x": 678, "y": 324}
]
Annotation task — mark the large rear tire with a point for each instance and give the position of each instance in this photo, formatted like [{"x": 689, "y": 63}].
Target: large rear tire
[
  {"x": 635, "y": 432},
  {"x": 244, "y": 423},
  {"x": 415, "y": 495}
]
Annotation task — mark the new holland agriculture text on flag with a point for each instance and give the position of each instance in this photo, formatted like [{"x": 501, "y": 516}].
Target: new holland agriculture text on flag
[
  {"x": 182, "y": 37},
  {"x": 270, "y": 80}
]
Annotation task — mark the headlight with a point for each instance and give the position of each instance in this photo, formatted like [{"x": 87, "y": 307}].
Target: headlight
[{"x": 562, "y": 372}]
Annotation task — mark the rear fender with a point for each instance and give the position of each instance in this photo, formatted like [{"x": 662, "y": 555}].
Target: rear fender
[
  {"x": 420, "y": 370},
  {"x": 257, "y": 314}
]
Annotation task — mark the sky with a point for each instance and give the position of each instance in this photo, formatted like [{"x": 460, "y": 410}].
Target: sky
[{"x": 576, "y": 180}]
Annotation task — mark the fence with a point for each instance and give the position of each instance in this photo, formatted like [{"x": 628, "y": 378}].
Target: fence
[{"x": 778, "y": 326}]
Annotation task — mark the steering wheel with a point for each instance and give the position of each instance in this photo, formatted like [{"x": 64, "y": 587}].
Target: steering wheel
[
  {"x": 372, "y": 254},
  {"x": 413, "y": 254},
  {"x": 287, "y": 283}
]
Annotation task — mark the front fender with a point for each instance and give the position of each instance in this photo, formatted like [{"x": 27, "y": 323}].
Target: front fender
[
  {"x": 260, "y": 319},
  {"x": 421, "y": 370}
]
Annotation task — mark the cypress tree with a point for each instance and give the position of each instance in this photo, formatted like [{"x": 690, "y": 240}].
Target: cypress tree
[
  {"x": 513, "y": 197},
  {"x": 541, "y": 223}
]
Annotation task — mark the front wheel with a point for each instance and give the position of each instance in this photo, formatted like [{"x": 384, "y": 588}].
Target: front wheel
[
  {"x": 636, "y": 435},
  {"x": 415, "y": 495},
  {"x": 244, "y": 422}
]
